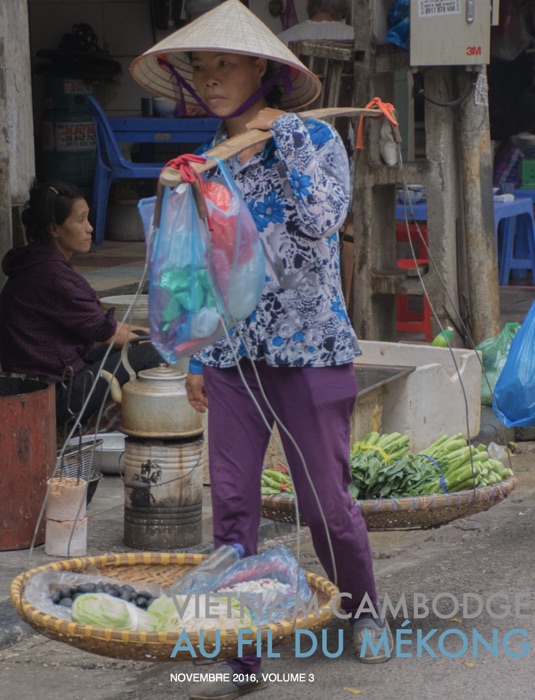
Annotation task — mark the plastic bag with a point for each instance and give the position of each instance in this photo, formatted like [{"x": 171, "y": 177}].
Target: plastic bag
[
  {"x": 146, "y": 208},
  {"x": 514, "y": 395},
  {"x": 494, "y": 353},
  {"x": 41, "y": 586},
  {"x": 398, "y": 24},
  {"x": 206, "y": 274},
  {"x": 276, "y": 566}
]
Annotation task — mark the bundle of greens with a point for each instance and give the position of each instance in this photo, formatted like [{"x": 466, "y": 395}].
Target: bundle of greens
[
  {"x": 374, "y": 478},
  {"x": 275, "y": 483},
  {"x": 462, "y": 467},
  {"x": 382, "y": 467}
]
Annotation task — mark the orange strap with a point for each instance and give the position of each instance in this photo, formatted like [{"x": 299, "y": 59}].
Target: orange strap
[
  {"x": 184, "y": 165},
  {"x": 386, "y": 110}
]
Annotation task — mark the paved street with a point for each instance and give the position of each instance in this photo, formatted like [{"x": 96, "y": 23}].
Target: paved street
[{"x": 484, "y": 554}]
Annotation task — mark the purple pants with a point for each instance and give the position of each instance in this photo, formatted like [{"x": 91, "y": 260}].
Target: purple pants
[{"x": 315, "y": 406}]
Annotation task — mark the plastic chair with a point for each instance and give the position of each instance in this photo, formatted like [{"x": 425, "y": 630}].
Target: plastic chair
[
  {"x": 408, "y": 321},
  {"x": 517, "y": 246},
  {"x": 110, "y": 166}
]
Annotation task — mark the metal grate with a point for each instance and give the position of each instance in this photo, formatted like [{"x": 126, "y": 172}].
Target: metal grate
[{"x": 77, "y": 460}]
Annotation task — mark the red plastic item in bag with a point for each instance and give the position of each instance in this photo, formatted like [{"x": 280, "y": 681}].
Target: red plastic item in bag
[
  {"x": 222, "y": 227},
  {"x": 223, "y": 223}
]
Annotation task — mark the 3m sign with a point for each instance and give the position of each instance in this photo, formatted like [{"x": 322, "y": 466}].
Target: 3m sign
[{"x": 449, "y": 32}]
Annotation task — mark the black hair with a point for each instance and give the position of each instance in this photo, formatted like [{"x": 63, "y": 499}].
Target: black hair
[
  {"x": 273, "y": 97},
  {"x": 338, "y": 9},
  {"x": 49, "y": 203}
]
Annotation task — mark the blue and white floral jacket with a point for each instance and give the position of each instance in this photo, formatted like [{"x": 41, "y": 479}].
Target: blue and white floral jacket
[{"x": 297, "y": 190}]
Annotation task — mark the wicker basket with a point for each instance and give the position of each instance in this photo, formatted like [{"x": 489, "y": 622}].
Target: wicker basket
[
  {"x": 418, "y": 512},
  {"x": 162, "y": 568}
]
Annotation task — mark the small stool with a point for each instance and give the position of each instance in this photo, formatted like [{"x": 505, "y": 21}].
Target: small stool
[
  {"x": 408, "y": 321},
  {"x": 517, "y": 230},
  {"x": 413, "y": 233}
]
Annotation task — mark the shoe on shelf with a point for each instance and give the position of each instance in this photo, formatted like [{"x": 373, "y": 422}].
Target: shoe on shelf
[
  {"x": 372, "y": 640},
  {"x": 226, "y": 688}
]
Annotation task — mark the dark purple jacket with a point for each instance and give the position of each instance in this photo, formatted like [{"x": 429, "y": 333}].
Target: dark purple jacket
[{"x": 49, "y": 314}]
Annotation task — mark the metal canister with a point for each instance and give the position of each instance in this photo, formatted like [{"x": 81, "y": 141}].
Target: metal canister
[{"x": 163, "y": 493}]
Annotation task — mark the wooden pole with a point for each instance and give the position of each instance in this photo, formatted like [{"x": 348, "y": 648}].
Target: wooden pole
[
  {"x": 231, "y": 147},
  {"x": 478, "y": 208}
]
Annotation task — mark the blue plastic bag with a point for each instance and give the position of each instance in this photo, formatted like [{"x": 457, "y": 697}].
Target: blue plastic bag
[
  {"x": 206, "y": 274},
  {"x": 514, "y": 393},
  {"x": 399, "y": 24},
  {"x": 277, "y": 566},
  {"x": 146, "y": 208}
]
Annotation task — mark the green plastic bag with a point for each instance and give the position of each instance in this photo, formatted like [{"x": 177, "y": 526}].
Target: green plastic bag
[{"x": 494, "y": 353}]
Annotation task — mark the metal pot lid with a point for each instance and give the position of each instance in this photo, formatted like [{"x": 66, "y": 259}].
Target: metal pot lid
[{"x": 162, "y": 373}]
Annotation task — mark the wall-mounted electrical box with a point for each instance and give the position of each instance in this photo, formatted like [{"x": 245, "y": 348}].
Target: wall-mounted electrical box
[{"x": 450, "y": 32}]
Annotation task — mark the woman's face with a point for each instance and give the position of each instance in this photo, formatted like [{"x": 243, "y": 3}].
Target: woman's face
[
  {"x": 224, "y": 81},
  {"x": 74, "y": 234}
]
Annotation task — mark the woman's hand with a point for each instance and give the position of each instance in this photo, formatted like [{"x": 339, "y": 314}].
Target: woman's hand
[
  {"x": 264, "y": 119},
  {"x": 125, "y": 334},
  {"x": 195, "y": 390}
]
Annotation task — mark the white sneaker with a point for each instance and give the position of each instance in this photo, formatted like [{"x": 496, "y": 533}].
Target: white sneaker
[{"x": 372, "y": 640}]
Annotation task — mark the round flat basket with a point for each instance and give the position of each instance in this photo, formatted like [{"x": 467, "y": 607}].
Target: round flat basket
[
  {"x": 162, "y": 568},
  {"x": 418, "y": 512}
]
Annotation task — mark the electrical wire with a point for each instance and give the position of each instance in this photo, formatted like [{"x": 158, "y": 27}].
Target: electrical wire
[
  {"x": 420, "y": 277},
  {"x": 451, "y": 103},
  {"x": 463, "y": 325}
]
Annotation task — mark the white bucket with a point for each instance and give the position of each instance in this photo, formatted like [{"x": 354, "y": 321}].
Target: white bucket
[
  {"x": 139, "y": 315},
  {"x": 66, "y": 521}
]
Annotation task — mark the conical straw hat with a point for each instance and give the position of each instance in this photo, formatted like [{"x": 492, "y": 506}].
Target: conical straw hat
[{"x": 229, "y": 27}]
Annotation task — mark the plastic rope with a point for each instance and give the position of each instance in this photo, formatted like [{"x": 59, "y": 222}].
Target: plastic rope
[
  {"x": 377, "y": 449},
  {"x": 385, "y": 108},
  {"x": 431, "y": 459},
  {"x": 184, "y": 165},
  {"x": 284, "y": 73}
]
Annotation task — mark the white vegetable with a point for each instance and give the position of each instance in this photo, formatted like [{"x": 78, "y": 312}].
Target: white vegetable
[{"x": 194, "y": 612}]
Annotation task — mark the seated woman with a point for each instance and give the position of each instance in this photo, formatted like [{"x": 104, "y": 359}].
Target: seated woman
[{"x": 51, "y": 322}]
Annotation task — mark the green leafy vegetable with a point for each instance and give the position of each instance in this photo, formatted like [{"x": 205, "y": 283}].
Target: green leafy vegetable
[{"x": 103, "y": 610}]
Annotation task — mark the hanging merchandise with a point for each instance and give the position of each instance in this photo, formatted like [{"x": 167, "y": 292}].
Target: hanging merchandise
[
  {"x": 208, "y": 270},
  {"x": 398, "y": 24},
  {"x": 78, "y": 56},
  {"x": 289, "y": 15},
  {"x": 511, "y": 37},
  {"x": 514, "y": 394}
]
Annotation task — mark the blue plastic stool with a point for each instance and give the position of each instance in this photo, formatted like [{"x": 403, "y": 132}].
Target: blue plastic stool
[
  {"x": 110, "y": 166},
  {"x": 518, "y": 238}
]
